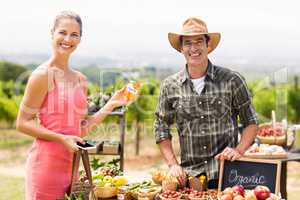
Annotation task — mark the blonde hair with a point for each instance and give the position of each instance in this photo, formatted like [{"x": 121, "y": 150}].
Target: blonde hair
[{"x": 70, "y": 15}]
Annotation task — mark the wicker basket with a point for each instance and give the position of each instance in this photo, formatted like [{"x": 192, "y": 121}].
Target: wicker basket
[
  {"x": 105, "y": 192},
  {"x": 163, "y": 198},
  {"x": 169, "y": 185},
  {"x": 276, "y": 140},
  {"x": 82, "y": 188},
  {"x": 79, "y": 187},
  {"x": 147, "y": 195},
  {"x": 207, "y": 197}
]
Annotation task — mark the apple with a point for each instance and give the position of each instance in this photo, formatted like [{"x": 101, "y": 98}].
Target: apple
[
  {"x": 250, "y": 196},
  {"x": 238, "y": 197},
  {"x": 238, "y": 190},
  {"x": 262, "y": 192},
  {"x": 228, "y": 191},
  {"x": 107, "y": 179},
  {"x": 226, "y": 197}
]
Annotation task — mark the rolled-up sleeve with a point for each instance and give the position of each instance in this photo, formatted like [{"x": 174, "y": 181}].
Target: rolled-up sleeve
[
  {"x": 242, "y": 101},
  {"x": 164, "y": 115}
]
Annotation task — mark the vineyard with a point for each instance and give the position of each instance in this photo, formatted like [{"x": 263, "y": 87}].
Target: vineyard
[{"x": 267, "y": 96}]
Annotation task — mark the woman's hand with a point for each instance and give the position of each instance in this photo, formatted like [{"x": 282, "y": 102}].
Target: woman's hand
[
  {"x": 118, "y": 98},
  {"x": 70, "y": 142}
]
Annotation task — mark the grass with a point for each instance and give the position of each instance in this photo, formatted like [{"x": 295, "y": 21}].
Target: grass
[
  {"x": 297, "y": 144},
  {"x": 10, "y": 139},
  {"x": 11, "y": 188}
]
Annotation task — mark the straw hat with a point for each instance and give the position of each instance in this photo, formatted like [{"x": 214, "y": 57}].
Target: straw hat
[{"x": 191, "y": 27}]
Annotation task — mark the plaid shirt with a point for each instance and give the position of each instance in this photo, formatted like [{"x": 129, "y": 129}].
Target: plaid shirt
[{"x": 206, "y": 123}]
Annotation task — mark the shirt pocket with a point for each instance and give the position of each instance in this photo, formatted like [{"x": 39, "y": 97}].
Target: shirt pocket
[
  {"x": 221, "y": 107},
  {"x": 186, "y": 115},
  {"x": 187, "y": 109}
]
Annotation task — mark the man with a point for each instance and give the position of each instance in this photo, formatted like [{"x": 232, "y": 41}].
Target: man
[{"x": 207, "y": 102}]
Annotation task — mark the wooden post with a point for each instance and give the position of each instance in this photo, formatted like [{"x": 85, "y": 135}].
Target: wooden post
[
  {"x": 283, "y": 180},
  {"x": 122, "y": 127},
  {"x": 137, "y": 138}
]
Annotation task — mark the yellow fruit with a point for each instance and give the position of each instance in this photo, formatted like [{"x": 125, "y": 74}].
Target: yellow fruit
[
  {"x": 100, "y": 183},
  {"x": 107, "y": 179},
  {"x": 158, "y": 176},
  {"x": 119, "y": 181}
]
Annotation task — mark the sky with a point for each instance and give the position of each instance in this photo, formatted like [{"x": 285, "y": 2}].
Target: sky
[{"x": 252, "y": 32}]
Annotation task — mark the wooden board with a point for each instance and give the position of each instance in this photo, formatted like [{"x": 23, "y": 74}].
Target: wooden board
[
  {"x": 265, "y": 156},
  {"x": 250, "y": 173}
]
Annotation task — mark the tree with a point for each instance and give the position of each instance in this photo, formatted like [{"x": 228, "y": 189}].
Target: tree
[
  {"x": 10, "y": 71},
  {"x": 8, "y": 107}
]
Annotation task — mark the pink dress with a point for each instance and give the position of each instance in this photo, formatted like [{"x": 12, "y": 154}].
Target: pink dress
[{"x": 49, "y": 164}]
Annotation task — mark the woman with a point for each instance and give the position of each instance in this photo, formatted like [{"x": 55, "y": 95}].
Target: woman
[{"x": 53, "y": 110}]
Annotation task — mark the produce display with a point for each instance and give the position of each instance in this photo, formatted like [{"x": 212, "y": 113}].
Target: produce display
[
  {"x": 239, "y": 193},
  {"x": 268, "y": 134},
  {"x": 109, "y": 184},
  {"x": 107, "y": 178},
  {"x": 145, "y": 189},
  {"x": 265, "y": 151}
]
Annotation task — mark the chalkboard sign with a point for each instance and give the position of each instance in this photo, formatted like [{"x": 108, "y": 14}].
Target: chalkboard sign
[{"x": 250, "y": 173}]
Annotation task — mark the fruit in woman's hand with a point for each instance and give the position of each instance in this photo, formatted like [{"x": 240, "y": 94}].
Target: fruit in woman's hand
[
  {"x": 262, "y": 192},
  {"x": 132, "y": 90}
]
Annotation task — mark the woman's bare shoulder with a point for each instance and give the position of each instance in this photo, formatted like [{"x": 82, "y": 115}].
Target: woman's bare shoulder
[
  {"x": 80, "y": 75},
  {"x": 43, "y": 75}
]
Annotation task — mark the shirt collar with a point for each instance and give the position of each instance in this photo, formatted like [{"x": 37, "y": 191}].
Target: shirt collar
[{"x": 184, "y": 74}]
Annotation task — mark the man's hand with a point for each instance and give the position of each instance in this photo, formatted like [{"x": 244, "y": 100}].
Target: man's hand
[
  {"x": 178, "y": 172},
  {"x": 229, "y": 154}
]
